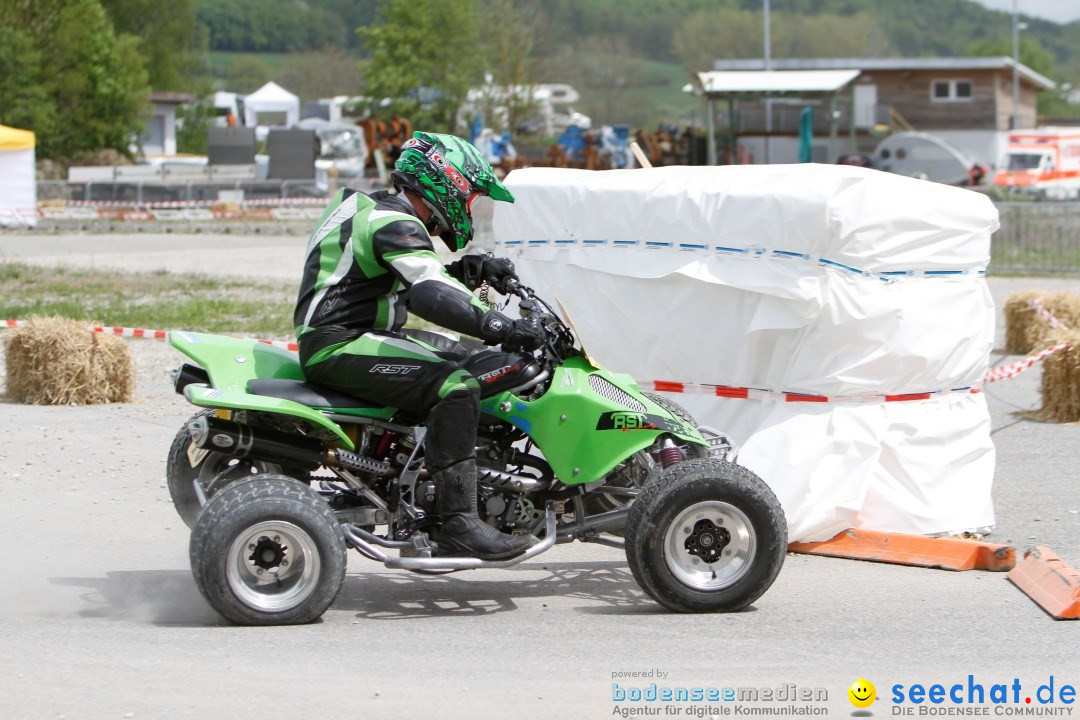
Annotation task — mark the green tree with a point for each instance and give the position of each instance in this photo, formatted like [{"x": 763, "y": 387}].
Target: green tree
[
  {"x": 425, "y": 55},
  {"x": 730, "y": 33},
  {"x": 510, "y": 60},
  {"x": 91, "y": 87},
  {"x": 1036, "y": 57},
  {"x": 172, "y": 46},
  {"x": 24, "y": 101},
  {"x": 1032, "y": 54},
  {"x": 710, "y": 34},
  {"x": 192, "y": 120},
  {"x": 270, "y": 25}
]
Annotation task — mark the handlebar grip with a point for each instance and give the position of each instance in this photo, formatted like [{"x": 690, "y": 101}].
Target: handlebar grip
[{"x": 513, "y": 287}]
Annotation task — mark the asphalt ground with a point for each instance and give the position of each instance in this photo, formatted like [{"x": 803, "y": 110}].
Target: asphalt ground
[{"x": 99, "y": 616}]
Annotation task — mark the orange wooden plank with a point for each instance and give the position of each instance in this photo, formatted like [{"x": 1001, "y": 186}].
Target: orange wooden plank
[
  {"x": 918, "y": 550},
  {"x": 1050, "y": 582}
]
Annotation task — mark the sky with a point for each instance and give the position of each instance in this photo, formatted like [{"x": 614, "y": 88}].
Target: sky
[{"x": 1062, "y": 11}]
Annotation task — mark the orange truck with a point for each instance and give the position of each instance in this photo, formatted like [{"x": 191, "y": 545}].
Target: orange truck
[{"x": 1044, "y": 161}]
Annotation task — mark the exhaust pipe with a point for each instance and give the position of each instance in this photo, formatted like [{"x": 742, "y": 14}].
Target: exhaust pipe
[
  {"x": 499, "y": 479},
  {"x": 233, "y": 438},
  {"x": 238, "y": 440}
]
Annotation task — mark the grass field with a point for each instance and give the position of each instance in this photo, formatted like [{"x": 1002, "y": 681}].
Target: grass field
[{"x": 159, "y": 301}]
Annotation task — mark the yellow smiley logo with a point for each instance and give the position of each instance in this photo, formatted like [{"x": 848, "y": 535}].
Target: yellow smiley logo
[{"x": 862, "y": 693}]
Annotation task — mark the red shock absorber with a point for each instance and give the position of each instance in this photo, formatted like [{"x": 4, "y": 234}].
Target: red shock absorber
[
  {"x": 383, "y": 446},
  {"x": 670, "y": 455}
]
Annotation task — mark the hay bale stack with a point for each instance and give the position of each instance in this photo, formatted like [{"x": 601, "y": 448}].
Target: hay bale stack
[
  {"x": 56, "y": 361},
  {"x": 1025, "y": 330},
  {"x": 1020, "y": 318},
  {"x": 1061, "y": 380}
]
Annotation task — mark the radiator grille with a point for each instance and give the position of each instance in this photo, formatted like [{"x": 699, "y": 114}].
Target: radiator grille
[{"x": 604, "y": 388}]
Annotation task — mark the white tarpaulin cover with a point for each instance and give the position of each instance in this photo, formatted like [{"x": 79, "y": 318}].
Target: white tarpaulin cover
[
  {"x": 18, "y": 180},
  {"x": 826, "y": 280}
]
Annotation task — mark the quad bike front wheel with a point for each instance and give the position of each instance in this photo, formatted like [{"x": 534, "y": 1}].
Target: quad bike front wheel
[
  {"x": 706, "y": 536},
  {"x": 213, "y": 471},
  {"x": 268, "y": 551}
]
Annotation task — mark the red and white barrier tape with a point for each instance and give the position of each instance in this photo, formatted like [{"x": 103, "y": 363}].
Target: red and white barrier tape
[
  {"x": 149, "y": 334},
  {"x": 1046, "y": 315},
  {"x": 1002, "y": 372},
  {"x": 725, "y": 391},
  {"x": 134, "y": 204},
  {"x": 313, "y": 212}
]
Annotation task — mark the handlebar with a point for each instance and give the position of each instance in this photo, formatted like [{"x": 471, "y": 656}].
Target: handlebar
[{"x": 513, "y": 287}]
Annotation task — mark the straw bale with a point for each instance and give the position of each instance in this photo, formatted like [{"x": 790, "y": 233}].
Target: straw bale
[
  {"x": 1066, "y": 308},
  {"x": 1019, "y": 318},
  {"x": 1061, "y": 380},
  {"x": 1025, "y": 331},
  {"x": 57, "y": 361}
]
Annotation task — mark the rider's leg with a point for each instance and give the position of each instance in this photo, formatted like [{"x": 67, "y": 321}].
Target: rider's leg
[
  {"x": 444, "y": 346},
  {"x": 400, "y": 373},
  {"x": 450, "y": 455}
]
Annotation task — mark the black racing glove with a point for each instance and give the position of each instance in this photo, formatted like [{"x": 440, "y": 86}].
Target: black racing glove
[
  {"x": 524, "y": 335},
  {"x": 498, "y": 272},
  {"x": 472, "y": 270}
]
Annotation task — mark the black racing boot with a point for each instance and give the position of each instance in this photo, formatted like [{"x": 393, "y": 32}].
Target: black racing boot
[{"x": 463, "y": 532}]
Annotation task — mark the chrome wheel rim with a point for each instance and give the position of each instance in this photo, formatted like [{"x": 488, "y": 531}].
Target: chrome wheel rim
[
  {"x": 273, "y": 566},
  {"x": 710, "y": 546}
]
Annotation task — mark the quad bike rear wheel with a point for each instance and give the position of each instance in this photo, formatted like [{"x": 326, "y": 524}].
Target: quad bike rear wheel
[
  {"x": 213, "y": 471},
  {"x": 268, "y": 551},
  {"x": 706, "y": 536}
]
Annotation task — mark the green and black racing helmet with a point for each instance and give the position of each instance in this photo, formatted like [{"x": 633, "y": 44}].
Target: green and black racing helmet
[{"x": 448, "y": 174}]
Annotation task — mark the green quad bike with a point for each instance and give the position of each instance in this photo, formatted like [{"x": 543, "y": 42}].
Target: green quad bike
[{"x": 278, "y": 477}]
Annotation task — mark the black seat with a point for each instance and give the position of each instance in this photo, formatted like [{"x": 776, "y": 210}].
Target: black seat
[{"x": 305, "y": 393}]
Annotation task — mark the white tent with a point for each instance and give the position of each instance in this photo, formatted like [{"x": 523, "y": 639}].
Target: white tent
[
  {"x": 271, "y": 97},
  {"x": 18, "y": 185}
]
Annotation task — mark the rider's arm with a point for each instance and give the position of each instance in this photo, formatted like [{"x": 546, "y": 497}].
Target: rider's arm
[{"x": 404, "y": 248}]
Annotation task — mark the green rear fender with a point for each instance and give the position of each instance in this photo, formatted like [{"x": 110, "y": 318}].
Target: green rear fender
[
  {"x": 232, "y": 362},
  {"x": 583, "y": 433},
  {"x": 236, "y": 400}
]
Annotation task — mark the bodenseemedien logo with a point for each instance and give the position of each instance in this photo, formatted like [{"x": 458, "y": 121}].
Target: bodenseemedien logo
[{"x": 788, "y": 700}]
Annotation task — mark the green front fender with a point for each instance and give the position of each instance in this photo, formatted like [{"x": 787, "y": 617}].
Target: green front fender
[{"x": 583, "y": 433}]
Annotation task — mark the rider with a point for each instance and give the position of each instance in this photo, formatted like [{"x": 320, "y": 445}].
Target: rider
[{"x": 369, "y": 261}]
